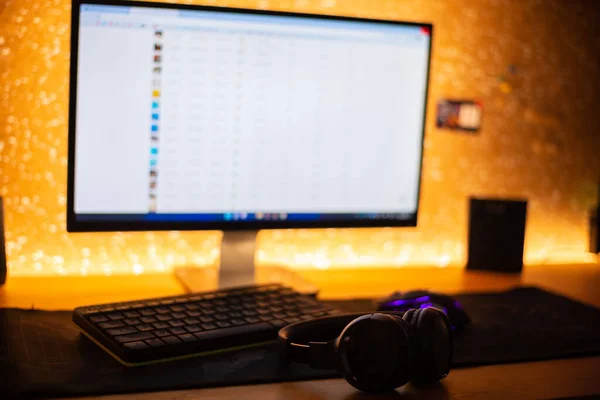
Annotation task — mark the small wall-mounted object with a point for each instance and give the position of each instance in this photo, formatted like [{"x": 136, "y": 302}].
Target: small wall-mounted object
[
  {"x": 463, "y": 115},
  {"x": 3, "y": 268}
]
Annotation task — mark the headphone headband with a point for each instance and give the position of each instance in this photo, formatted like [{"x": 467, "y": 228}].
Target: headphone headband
[{"x": 312, "y": 341}]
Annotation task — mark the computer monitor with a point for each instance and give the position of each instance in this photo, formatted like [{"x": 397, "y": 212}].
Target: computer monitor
[{"x": 200, "y": 118}]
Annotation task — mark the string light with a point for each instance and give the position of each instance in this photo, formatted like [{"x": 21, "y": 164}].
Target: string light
[{"x": 34, "y": 81}]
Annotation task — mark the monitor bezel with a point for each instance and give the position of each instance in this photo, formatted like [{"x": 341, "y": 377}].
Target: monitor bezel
[{"x": 74, "y": 225}]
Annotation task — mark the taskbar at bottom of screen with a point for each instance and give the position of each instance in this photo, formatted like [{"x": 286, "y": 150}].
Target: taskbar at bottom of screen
[{"x": 240, "y": 216}]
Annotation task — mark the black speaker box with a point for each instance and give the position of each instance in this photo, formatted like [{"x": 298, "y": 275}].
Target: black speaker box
[
  {"x": 496, "y": 234},
  {"x": 2, "y": 247}
]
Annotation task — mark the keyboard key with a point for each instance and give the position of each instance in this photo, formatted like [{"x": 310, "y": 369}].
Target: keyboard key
[
  {"x": 176, "y": 322},
  {"x": 312, "y": 309},
  {"x": 166, "y": 302},
  {"x": 263, "y": 311},
  {"x": 144, "y": 327},
  {"x": 266, "y": 317},
  {"x": 292, "y": 313},
  {"x": 223, "y": 324},
  {"x": 235, "y": 314},
  {"x": 279, "y": 315},
  {"x": 161, "y": 325},
  {"x": 192, "y": 306},
  {"x": 235, "y": 330},
  {"x": 132, "y": 321},
  {"x": 171, "y": 340},
  {"x": 132, "y": 314},
  {"x": 222, "y": 309},
  {"x": 278, "y": 323},
  {"x": 221, "y": 317},
  {"x": 190, "y": 321},
  {"x": 275, "y": 308},
  {"x": 208, "y": 326},
  {"x": 123, "y": 308},
  {"x": 177, "y": 331},
  {"x": 121, "y": 331},
  {"x": 206, "y": 318},
  {"x": 164, "y": 317},
  {"x": 237, "y": 321},
  {"x": 194, "y": 313},
  {"x": 155, "y": 342},
  {"x": 187, "y": 337},
  {"x": 319, "y": 314},
  {"x": 153, "y": 304},
  {"x": 135, "y": 336},
  {"x": 249, "y": 313},
  {"x": 252, "y": 320},
  {"x": 193, "y": 328},
  {"x": 305, "y": 317},
  {"x": 178, "y": 315},
  {"x": 161, "y": 332},
  {"x": 236, "y": 307},
  {"x": 136, "y": 345},
  {"x": 108, "y": 309},
  {"x": 115, "y": 316},
  {"x": 111, "y": 324},
  {"x": 177, "y": 308},
  {"x": 148, "y": 312},
  {"x": 291, "y": 320},
  {"x": 98, "y": 318},
  {"x": 162, "y": 310},
  {"x": 148, "y": 320}
]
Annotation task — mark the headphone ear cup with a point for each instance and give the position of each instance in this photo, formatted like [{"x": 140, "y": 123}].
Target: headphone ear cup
[
  {"x": 432, "y": 344},
  {"x": 373, "y": 353}
]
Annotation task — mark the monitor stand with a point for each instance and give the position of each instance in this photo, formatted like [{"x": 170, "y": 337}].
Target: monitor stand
[
  {"x": 237, "y": 258},
  {"x": 237, "y": 268}
]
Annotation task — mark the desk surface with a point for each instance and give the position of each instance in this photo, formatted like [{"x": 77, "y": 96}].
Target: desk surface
[{"x": 546, "y": 379}]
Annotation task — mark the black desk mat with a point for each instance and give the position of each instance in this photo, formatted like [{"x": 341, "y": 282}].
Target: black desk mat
[{"x": 43, "y": 354}]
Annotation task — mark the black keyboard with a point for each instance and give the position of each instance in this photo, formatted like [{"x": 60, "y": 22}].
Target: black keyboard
[{"x": 168, "y": 328}]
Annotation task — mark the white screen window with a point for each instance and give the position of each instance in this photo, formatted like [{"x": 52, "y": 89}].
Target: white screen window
[{"x": 204, "y": 112}]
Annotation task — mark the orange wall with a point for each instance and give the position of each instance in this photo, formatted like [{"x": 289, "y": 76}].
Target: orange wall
[{"x": 540, "y": 140}]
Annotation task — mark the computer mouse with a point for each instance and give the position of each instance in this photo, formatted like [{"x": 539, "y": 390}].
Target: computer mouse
[{"x": 402, "y": 301}]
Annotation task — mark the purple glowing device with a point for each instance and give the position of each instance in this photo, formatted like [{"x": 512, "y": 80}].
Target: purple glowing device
[{"x": 403, "y": 301}]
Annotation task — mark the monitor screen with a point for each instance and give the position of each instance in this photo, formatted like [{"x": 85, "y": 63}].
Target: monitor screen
[{"x": 187, "y": 117}]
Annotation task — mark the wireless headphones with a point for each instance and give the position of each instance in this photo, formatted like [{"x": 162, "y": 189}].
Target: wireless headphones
[{"x": 375, "y": 352}]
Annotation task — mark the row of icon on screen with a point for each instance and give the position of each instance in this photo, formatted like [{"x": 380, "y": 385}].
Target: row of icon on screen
[
  {"x": 255, "y": 216},
  {"x": 155, "y": 118},
  {"x": 102, "y": 21}
]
